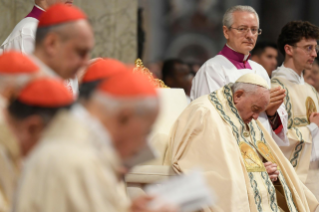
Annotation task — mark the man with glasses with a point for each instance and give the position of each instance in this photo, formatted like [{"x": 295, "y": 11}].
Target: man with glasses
[
  {"x": 298, "y": 43},
  {"x": 241, "y": 29}
]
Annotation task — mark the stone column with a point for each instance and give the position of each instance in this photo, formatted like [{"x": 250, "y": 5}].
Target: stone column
[{"x": 114, "y": 23}]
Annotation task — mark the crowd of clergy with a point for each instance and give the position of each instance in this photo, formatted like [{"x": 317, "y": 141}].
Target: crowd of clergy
[{"x": 73, "y": 129}]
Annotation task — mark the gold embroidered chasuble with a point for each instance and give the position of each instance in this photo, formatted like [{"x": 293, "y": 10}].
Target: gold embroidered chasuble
[
  {"x": 300, "y": 102},
  {"x": 210, "y": 134}
]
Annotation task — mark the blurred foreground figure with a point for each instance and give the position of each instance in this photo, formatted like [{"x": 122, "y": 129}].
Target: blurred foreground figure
[
  {"x": 23, "y": 35},
  {"x": 64, "y": 39},
  {"x": 98, "y": 71},
  {"x": 220, "y": 134},
  {"x": 266, "y": 54},
  {"x": 298, "y": 43},
  {"x": 33, "y": 109},
  {"x": 77, "y": 164},
  {"x": 16, "y": 70},
  {"x": 241, "y": 30}
]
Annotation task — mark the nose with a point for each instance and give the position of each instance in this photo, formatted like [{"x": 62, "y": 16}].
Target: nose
[
  {"x": 249, "y": 33},
  {"x": 314, "y": 53},
  {"x": 255, "y": 116}
]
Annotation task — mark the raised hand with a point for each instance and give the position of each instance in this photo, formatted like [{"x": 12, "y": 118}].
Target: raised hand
[{"x": 277, "y": 96}]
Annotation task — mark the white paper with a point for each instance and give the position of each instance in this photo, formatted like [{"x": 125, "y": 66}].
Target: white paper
[{"x": 189, "y": 192}]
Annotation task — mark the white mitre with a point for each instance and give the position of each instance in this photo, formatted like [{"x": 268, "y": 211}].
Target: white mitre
[{"x": 253, "y": 79}]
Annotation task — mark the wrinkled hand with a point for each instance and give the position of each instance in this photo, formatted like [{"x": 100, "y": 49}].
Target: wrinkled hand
[
  {"x": 314, "y": 118},
  {"x": 272, "y": 171},
  {"x": 277, "y": 96},
  {"x": 141, "y": 205}
]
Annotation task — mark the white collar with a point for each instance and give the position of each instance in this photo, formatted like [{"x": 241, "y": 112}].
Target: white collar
[
  {"x": 39, "y": 7},
  {"x": 288, "y": 74},
  {"x": 245, "y": 57},
  {"x": 43, "y": 67},
  {"x": 91, "y": 123}
]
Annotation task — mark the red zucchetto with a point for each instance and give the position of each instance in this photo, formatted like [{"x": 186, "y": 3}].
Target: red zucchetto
[
  {"x": 46, "y": 92},
  {"x": 128, "y": 85},
  {"x": 13, "y": 62},
  {"x": 103, "y": 69},
  {"x": 59, "y": 14}
]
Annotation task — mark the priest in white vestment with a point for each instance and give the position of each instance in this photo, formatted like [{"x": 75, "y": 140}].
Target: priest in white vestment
[
  {"x": 219, "y": 133},
  {"x": 23, "y": 35},
  {"x": 298, "y": 43},
  {"x": 241, "y": 29}
]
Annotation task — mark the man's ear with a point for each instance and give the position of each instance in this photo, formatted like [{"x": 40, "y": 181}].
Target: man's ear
[
  {"x": 288, "y": 49},
  {"x": 226, "y": 31},
  {"x": 35, "y": 125},
  {"x": 238, "y": 95},
  {"x": 50, "y": 42}
]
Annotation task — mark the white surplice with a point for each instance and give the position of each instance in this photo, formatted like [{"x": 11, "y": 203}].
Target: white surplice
[{"x": 22, "y": 37}]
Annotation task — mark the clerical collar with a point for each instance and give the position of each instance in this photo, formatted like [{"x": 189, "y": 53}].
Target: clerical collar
[
  {"x": 36, "y": 12},
  {"x": 240, "y": 61},
  {"x": 288, "y": 74}
]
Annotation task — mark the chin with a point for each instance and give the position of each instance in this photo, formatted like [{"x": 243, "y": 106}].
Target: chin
[
  {"x": 246, "y": 49},
  {"x": 249, "y": 48}
]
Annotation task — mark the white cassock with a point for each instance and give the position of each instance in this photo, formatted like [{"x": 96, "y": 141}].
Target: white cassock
[
  {"x": 73, "y": 168},
  {"x": 22, "y": 37},
  {"x": 71, "y": 84},
  {"x": 227, "y": 67}
]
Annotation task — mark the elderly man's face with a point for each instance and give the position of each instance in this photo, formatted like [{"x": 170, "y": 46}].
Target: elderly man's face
[
  {"x": 132, "y": 132},
  {"x": 238, "y": 36},
  {"x": 72, "y": 53},
  {"x": 251, "y": 104}
]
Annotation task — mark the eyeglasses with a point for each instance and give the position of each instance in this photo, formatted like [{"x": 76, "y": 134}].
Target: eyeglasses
[
  {"x": 244, "y": 30},
  {"x": 310, "y": 48}
]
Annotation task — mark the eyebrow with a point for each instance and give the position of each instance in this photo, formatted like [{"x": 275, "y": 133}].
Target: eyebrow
[
  {"x": 246, "y": 26},
  {"x": 257, "y": 107}
]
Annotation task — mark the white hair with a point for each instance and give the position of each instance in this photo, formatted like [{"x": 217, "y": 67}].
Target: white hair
[
  {"x": 246, "y": 87},
  {"x": 228, "y": 18},
  {"x": 142, "y": 106}
]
